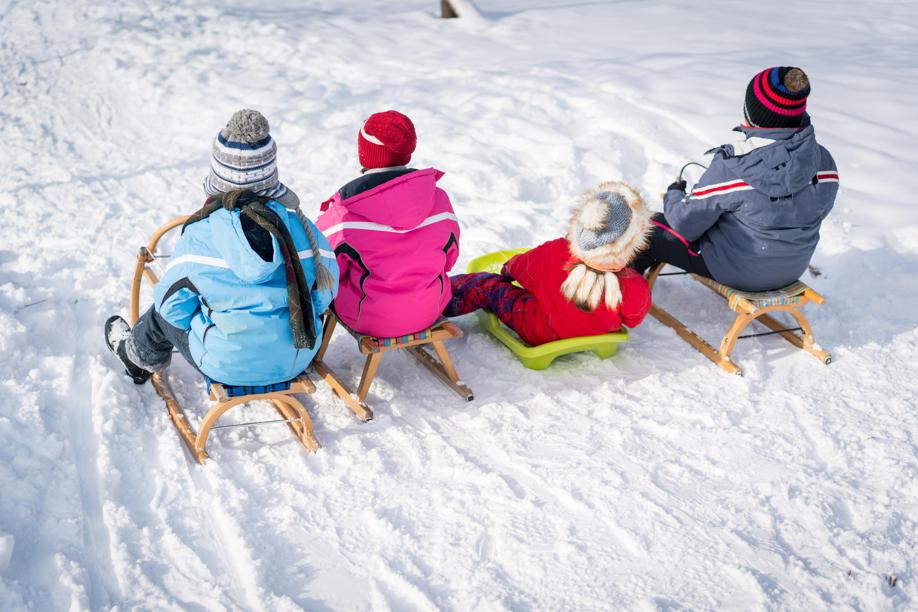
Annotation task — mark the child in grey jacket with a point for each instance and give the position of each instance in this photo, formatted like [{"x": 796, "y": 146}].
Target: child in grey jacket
[{"x": 752, "y": 220}]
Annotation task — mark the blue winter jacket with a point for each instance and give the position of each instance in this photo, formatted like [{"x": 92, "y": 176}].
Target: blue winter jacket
[
  {"x": 754, "y": 215},
  {"x": 233, "y": 304}
]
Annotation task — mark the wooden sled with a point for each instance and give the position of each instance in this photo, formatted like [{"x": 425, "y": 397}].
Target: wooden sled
[
  {"x": 226, "y": 397},
  {"x": 749, "y": 306},
  {"x": 440, "y": 366}
]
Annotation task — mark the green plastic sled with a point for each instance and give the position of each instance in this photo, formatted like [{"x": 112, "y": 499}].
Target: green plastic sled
[{"x": 541, "y": 356}]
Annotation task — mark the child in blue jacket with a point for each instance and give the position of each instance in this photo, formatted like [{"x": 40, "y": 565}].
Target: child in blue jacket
[
  {"x": 752, "y": 220},
  {"x": 248, "y": 281}
]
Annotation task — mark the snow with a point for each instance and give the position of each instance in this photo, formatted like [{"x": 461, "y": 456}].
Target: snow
[{"x": 648, "y": 481}]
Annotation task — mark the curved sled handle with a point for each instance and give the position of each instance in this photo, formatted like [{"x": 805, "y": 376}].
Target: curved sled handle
[
  {"x": 691, "y": 163},
  {"x": 145, "y": 256},
  {"x": 164, "y": 229}
]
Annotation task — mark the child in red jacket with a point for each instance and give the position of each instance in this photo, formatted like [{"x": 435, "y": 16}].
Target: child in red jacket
[{"x": 574, "y": 286}]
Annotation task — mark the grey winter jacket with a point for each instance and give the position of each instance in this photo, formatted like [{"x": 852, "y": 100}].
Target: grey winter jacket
[{"x": 754, "y": 215}]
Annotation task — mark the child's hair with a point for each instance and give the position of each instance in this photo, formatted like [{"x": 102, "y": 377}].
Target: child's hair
[
  {"x": 586, "y": 287},
  {"x": 608, "y": 228}
]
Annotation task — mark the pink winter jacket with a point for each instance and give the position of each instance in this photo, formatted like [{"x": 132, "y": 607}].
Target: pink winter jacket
[{"x": 395, "y": 244}]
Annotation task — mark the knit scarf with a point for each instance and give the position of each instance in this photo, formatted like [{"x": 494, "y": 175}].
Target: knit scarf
[{"x": 302, "y": 317}]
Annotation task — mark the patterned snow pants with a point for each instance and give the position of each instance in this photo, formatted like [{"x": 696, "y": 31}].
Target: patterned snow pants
[{"x": 495, "y": 293}]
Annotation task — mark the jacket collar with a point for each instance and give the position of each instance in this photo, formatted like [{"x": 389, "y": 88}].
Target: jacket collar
[
  {"x": 757, "y": 137},
  {"x": 366, "y": 171}
]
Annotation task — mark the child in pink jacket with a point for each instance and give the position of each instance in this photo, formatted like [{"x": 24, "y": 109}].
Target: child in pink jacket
[{"x": 394, "y": 233}]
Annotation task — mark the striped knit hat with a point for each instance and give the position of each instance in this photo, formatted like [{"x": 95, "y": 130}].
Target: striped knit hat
[
  {"x": 776, "y": 98},
  {"x": 244, "y": 157}
]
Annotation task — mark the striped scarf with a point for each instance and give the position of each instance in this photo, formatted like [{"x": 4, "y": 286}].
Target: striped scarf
[{"x": 253, "y": 206}]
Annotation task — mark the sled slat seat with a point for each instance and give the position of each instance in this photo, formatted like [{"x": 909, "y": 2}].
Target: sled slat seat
[
  {"x": 401, "y": 340},
  {"x": 440, "y": 365},
  {"x": 750, "y": 306},
  {"x": 240, "y": 391},
  {"x": 785, "y": 296},
  {"x": 372, "y": 344}
]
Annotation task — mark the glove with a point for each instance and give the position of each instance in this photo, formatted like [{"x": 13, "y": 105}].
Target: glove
[{"x": 680, "y": 185}]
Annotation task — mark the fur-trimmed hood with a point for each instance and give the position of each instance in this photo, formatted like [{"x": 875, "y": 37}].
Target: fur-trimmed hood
[{"x": 592, "y": 214}]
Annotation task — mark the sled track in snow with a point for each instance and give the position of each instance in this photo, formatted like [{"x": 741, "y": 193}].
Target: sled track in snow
[
  {"x": 84, "y": 442},
  {"x": 223, "y": 530}
]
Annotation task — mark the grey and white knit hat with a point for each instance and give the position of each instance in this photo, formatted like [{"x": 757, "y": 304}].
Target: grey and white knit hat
[
  {"x": 245, "y": 157},
  {"x": 609, "y": 227}
]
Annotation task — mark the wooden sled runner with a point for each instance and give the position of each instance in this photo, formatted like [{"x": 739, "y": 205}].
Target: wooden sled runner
[
  {"x": 440, "y": 366},
  {"x": 282, "y": 394},
  {"x": 749, "y": 307}
]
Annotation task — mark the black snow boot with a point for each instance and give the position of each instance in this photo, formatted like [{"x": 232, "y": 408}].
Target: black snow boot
[{"x": 116, "y": 333}]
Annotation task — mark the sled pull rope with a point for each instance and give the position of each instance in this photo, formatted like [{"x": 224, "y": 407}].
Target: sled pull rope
[{"x": 250, "y": 423}]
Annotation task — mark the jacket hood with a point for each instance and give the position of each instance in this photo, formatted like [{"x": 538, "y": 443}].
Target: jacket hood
[
  {"x": 401, "y": 203},
  {"x": 230, "y": 241},
  {"x": 591, "y": 215},
  {"x": 777, "y": 162}
]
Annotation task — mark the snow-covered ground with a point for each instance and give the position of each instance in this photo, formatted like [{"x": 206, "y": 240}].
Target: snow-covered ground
[{"x": 648, "y": 481}]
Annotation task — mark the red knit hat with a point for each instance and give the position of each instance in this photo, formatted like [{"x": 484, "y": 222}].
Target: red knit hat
[{"x": 386, "y": 139}]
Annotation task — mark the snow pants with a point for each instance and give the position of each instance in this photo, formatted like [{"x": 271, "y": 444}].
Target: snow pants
[
  {"x": 152, "y": 340},
  {"x": 495, "y": 293},
  {"x": 667, "y": 245}
]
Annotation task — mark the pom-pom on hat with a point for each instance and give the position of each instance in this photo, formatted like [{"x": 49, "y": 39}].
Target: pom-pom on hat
[
  {"x": 386, "y": 139},
  {"x": 609, "y": 226},
  {"x": 776, "y": 98},
  {"x": 244, "y": 157}
]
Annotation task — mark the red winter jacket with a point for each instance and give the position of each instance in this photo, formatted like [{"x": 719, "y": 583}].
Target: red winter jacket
[{"x": 550, "y": 316}]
